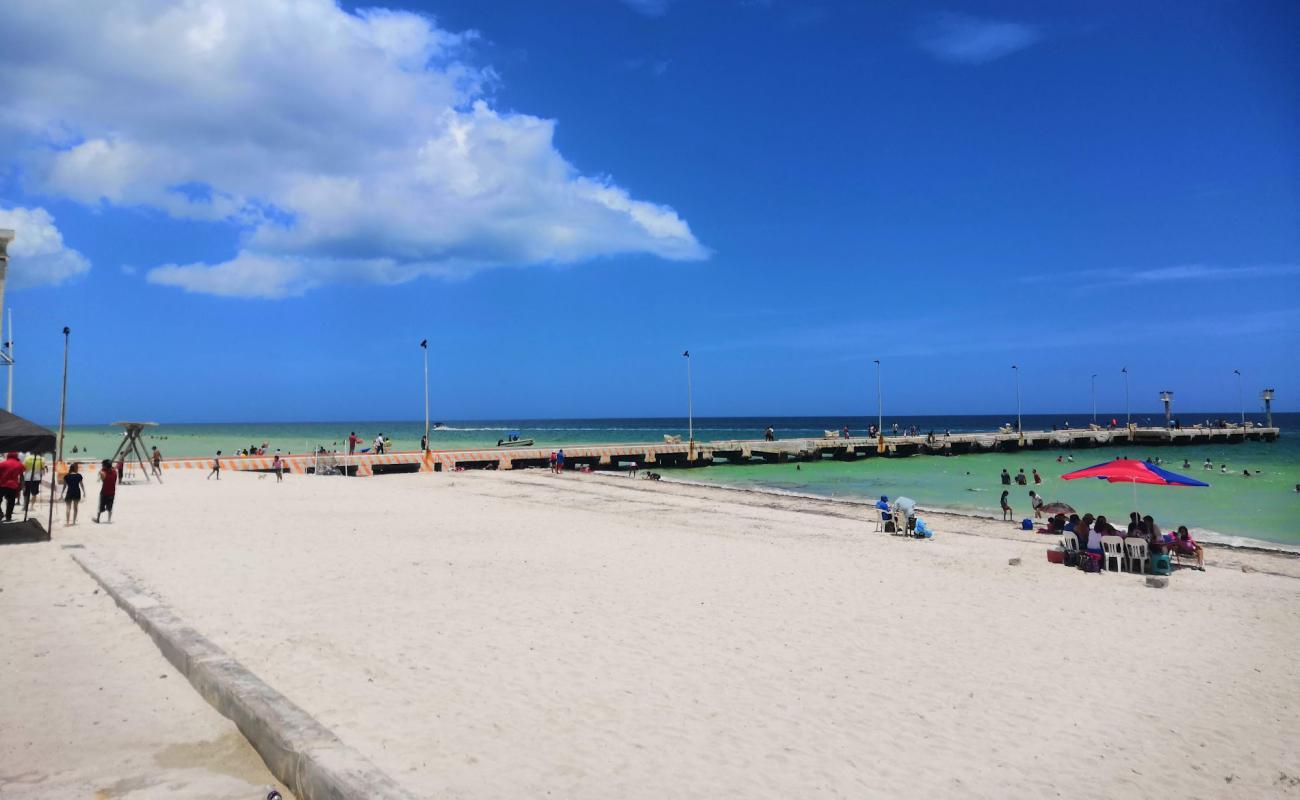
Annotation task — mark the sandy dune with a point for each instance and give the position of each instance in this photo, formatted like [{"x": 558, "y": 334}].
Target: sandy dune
[{"x": 519, "y": 634}]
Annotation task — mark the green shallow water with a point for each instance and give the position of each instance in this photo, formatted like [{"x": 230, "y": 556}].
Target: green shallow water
[
  {"x": 1265, "y": 507},
  {"x": 1233, "y": 509}
]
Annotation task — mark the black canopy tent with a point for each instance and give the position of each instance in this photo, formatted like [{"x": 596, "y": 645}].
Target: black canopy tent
[
  {"x": 21, "y": 435},
  {"x": 24, "y": 436}
]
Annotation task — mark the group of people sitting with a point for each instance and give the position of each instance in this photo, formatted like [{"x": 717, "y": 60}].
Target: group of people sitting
[
  {"x": 900, "y": 517},
  {"x": 1089, "y": 530}
]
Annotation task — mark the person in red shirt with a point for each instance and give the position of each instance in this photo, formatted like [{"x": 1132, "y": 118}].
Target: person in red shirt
[
  {"x": 11, "y": 477},
  {"x": 107, "y": 489}
]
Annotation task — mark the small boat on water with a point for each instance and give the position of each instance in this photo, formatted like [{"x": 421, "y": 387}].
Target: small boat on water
[
  {"x": 512, "y": 440},
  {"x": 438, "y": 426}
]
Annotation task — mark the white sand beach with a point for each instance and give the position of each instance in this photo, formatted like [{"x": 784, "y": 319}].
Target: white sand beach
[
  {"x": 520, "y": 634},
  {"x": 90, "y": 709}
]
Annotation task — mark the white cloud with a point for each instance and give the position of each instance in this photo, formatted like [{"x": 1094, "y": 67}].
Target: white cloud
[
  {"x": 1183, "y": 273},
  {"x": 963, "y": 39},
  {"x": 37, "y": 255},
  {"x": 345, "y": 147}
]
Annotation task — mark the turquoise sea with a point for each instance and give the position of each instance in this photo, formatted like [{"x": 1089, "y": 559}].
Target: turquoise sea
[{"x": 1264, "y": 508}]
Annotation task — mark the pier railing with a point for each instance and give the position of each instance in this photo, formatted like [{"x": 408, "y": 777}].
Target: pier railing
[{"x": 741, "y": 451}]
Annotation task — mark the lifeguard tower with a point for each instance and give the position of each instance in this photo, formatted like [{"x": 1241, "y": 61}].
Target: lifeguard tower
[{"x": 132, "y": 446}]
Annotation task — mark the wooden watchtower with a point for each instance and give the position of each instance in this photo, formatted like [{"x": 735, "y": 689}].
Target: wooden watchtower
[{"x": 132, "y": 446}]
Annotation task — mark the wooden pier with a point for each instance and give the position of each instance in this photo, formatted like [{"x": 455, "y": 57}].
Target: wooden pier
[{"x": 698, "y": 454}]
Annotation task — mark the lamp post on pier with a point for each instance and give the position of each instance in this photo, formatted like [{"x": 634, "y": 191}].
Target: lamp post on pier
[
  {"x": 1019, "y": 428},
  {"x": 690, "y": 409},
  {"x": 424, "y": 345},
  {"x": 1128, "y": 416},
  {"x": 1167, "y": 397},
  {"x": 1241, "y": 398},
  {"x": 880, "y": 413},
  {"x": 1094, "y": 398}
]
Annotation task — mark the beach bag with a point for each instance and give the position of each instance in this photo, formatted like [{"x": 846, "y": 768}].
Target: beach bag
[
  {"x": 1090, "y": 562},
  {"x": 1026, "y": 524},
  {"x": 1071, "y": 558},
  {"x": 889, "y": 526}
]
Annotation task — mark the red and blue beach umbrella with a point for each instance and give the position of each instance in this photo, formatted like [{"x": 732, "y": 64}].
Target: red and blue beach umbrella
[{"x": 1128, "y": 470}]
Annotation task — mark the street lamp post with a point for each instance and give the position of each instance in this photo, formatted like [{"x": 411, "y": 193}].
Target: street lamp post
[
  {"x": 690, "y": 408},
  {"x": 880, "y": 412},
  {"x": 1128, "y": 417},
  {"x": 424, "y": 345},
  {"x": 63, "y": 418},
  {"x": 1241, "y": 398},
  {"x": 1094, "y": 398},
  {"x": 1019, "y": 427}
]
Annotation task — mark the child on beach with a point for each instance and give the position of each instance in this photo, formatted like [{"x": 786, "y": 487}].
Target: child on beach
[
  {"x": 1188, "y": 546},
  {"x": 155, "y": 458},
  {"x": 1007, "y": 514},
  {"x": 216, "y": 467},
  {"x": 107, "y": 489},
  {"x": 277, "y": 464},
  {"x": 71, "y": 494}
]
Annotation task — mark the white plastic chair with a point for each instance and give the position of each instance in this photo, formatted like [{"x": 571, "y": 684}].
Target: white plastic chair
[
  {"x": 1135, "y": 553},
  {"x": 881, "y": 518},
  {"x": 1069, "y": 541},
  {"x": 1112, "y": 547}
]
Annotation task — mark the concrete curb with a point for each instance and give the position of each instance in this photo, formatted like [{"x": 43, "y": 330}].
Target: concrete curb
[{"x": 303, "y": 754}]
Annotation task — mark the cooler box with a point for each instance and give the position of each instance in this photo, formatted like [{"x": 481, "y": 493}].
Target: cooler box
[{"x": 1056, "y": 556}]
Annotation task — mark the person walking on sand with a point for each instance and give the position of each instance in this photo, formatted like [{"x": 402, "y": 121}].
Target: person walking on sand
[
  {"x": 155, "y": 458},
  {"x": 1007, "y": 513},
  {"x": 353, "y": 441},
  {"x": 107, "y": 490},
  {"x": 552, "y": 461},
  {"x": 33, "y": 470},
  {"x": 277, "y": 464},
  {"x": 216, "y": 467},
  {"x": 1037, "y": 503},
  {"x": 11, "y": 477},
  {"x": 559, "y": 460},
  {"x": 379, "y": 445},
  {"x": 71, "y": 494}
]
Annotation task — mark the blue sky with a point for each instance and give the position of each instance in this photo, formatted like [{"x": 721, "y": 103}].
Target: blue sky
[{"x": 247, "y": 211}]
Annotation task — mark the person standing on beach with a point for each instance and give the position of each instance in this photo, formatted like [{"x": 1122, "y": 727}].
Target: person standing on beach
[
  {"x": 1007, "y": 513},
  {"x": 552, "y": 461},
  {"x": 379, "y": 445},
  {"x": 277, "y": 464},
  {"x": 559, "y": 460},
  {"x": 107, "y": 490},
  {"x": 33, "y": 469},
  {"x": 1037, "y": 503},
  {"x": 71, "y": 494},
  {"x": 11, "y": 477},
  {"x": 155, "y": 458},
  {"x": 216, "y": 467},
  {"x": 353, "y": 441}
]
